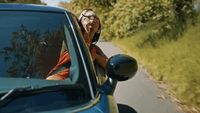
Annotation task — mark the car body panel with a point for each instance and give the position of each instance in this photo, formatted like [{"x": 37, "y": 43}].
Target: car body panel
[{"x": 106, "y": 104}]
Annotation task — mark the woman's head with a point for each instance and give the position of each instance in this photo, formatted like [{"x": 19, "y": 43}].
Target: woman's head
[{"x": 90, "y": 25}]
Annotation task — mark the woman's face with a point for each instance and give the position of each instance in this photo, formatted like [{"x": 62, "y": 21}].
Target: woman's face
[{"x": 91, "y": 24}]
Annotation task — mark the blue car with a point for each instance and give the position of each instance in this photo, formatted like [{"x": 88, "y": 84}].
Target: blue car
[{"x": 31, "y": 40}]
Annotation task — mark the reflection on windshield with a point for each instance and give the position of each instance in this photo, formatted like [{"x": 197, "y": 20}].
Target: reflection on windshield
[
  {"x": 31, "y": 44},
  {"x": 27, "y": 55}
]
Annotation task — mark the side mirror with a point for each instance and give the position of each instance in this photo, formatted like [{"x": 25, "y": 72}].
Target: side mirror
[{"x": 121, "y": 67}]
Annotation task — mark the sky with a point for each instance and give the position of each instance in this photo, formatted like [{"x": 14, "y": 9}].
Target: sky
[{"x": 53, "y": 2}]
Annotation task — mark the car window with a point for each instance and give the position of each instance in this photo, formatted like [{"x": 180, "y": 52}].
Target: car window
[{"x": 31, "y": 44}]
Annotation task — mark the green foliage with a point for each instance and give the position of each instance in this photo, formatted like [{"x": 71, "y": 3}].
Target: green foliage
[
  {"x": 123, "y": 18},
  {"x": 103, "y": 3},
  {"x": 127, "y": 18},
  {"x": 175, "y": 63},
  {"x": 100, "y": 6},
  {"x": 175, "y": 23},
  {"x": 2, "y": 1},
  {"x": 76, "y": 6}
]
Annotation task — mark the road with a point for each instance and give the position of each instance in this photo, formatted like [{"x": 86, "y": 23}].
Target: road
[{"x": 140, "y": 92}]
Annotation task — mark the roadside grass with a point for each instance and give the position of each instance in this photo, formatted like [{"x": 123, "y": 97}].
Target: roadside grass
[{"x": 175, "y": 63}]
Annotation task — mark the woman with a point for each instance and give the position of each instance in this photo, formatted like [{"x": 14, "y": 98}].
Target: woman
[{"x": 91, "y": 29}]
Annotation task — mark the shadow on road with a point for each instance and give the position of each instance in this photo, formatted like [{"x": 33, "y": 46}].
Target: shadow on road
[{"x": 125, "y": 109}]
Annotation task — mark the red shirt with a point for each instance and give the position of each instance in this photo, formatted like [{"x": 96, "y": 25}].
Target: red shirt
[{"x": 60, "y": 72}]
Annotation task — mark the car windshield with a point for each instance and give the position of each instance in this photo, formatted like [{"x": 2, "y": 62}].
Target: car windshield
[{"x": 31, "y": 44}]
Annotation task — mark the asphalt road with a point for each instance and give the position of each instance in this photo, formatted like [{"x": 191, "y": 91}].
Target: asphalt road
[{"x": 140, "y": 92}]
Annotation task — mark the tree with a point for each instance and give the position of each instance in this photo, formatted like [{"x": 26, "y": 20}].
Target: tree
[
  {"x": 78, "y": 5},
  {"x": 20, "y": 52}
]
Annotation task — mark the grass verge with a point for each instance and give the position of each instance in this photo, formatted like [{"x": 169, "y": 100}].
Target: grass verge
[{"x": 176, "y": 63}]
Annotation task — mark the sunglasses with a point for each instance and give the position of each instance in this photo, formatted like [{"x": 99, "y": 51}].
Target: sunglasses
[{"x": 90, "y": 17}]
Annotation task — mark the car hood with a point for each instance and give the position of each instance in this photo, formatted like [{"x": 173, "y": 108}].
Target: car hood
[{"x": 106, "y": 104}]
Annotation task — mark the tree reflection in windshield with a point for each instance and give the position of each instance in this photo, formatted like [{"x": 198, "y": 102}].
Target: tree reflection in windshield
[{"x": 32, "y": 54}]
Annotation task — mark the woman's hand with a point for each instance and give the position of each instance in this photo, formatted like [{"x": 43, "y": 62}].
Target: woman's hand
[
  {"x": 101, "y": 60},
  {"x": 93, "y": 53}
]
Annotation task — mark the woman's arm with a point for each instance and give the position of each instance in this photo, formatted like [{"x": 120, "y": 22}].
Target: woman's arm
[{"x": 100, "y": 57}]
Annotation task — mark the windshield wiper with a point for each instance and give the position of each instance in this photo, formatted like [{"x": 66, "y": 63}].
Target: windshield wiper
[
  {"x": 19, "y": 92},
  {"x": 12, "y": 91},
  {"x": 31, "y": 89}
]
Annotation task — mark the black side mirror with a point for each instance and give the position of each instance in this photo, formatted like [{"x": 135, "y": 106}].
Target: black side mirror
[{"x": 121, "y": 67}]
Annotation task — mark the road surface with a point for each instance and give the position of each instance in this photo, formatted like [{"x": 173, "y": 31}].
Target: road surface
[{"x": 140, "y": 93}]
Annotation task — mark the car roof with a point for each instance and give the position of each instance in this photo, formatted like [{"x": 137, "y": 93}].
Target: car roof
[{"x": 30, "y": 7}]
